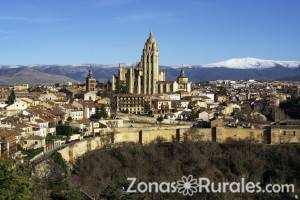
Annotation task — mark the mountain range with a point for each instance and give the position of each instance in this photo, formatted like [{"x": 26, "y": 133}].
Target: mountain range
[
  {"x": 254, "y": 63},
  {"x": 233, "y": 69}
]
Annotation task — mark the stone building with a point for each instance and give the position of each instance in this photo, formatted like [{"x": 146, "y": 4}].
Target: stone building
[
  {"x": 33, "y": 142},
  {"x": 8, "y": 142},
  {"x": 129, "y": 103},
  {"x": 146, "y": 77},
  {"x": 90, "y": 83}
]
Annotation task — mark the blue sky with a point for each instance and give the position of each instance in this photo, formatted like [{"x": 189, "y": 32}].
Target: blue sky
[{"x": 114, "y": 31}]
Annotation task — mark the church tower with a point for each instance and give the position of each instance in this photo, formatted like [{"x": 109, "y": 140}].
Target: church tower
[
  {"x": 150, "y": 65},
  {"x": 90, "y": 83}
]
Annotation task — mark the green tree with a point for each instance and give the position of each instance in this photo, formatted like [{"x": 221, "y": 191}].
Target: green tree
[
  {"x": 69, "y": 119},
  {"x": 11, "y": 98},
  {"x": 32, "y": 152},
  {"x": 160, "y": 119},
  {"x": 193, "y": 116},
  {"x": 59, "y": 183},
  {"x": 14, "y": 182},
  {"x": 100, "y": 114},
  {"x": 64, "y": 130}
]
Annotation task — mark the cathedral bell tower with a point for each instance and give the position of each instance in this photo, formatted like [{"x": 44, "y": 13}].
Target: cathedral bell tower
[{"x": 150, "y": 65}]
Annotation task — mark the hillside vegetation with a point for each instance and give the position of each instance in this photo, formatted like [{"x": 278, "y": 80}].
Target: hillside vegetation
[{"x": 103, "y": 174}]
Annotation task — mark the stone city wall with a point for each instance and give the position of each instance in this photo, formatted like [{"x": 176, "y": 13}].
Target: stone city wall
[{"x": 146, "y": 135}]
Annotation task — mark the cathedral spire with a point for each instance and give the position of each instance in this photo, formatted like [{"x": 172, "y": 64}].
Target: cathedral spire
[
  {"x": 182, "y": 74},
  {"x": 151, "y": 38},
  {"x": 90, "y": 71},
  {"x": 90, "y": 81},
  {"x": 182, "y": 71}
]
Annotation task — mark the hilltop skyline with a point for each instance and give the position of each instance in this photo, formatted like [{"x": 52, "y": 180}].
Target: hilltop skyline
[{"x": 190, "y": 32}]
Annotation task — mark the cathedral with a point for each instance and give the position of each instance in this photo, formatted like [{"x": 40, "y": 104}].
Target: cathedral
[{"x": 146, "y": 78}]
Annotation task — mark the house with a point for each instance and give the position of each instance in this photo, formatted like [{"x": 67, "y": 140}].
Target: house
[
  {"x": 228, "y": 110},
  {"x": 130, "y": 103},
  {"x": 8, "y": 122},
  {"x": 184, "y": 114},
  {"x": 33, "y": 142},
  {"x": 15, "y": 108},
  {"x": 205, "y": 116},
  {"x": 8, "y": 142},
  {"x": 207, "y": 98},
  {"x": 72, "y": 111},
  {"x": 30, "y": 102},
  {"x": 48, "y": 96},
  {"x": 162, "y": 106},
  {"x": 98, "y": 128},
  {"x": 58, "y": 113},
  {"x": 83, "y": 125},
  {"x": 44, "y": 119},
  {"x": 89, "y": 127},
  {"x": 184, "y": 103},
  {"x": 25, "y": 129},
  {"x": 180, "y": 104},
  {"x": 89, "y": 107},
  {"x": 91, "y": 96},
  {"x": 43, "y": 126}
]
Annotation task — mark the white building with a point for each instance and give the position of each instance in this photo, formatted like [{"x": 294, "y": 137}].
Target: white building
[
  {"x": 90, "y": 96},
  {"x": 17, "y": 107},
  {"x": 205, "y": 116}
]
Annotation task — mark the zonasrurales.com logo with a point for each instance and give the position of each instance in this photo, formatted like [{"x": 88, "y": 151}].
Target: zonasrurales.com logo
[{"x": 188, "y": 186}]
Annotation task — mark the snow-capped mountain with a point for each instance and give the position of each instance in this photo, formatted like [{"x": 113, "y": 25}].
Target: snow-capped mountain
[
  {"x": 253, "y": 63},
  {"x": 181, "y": 66}
]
